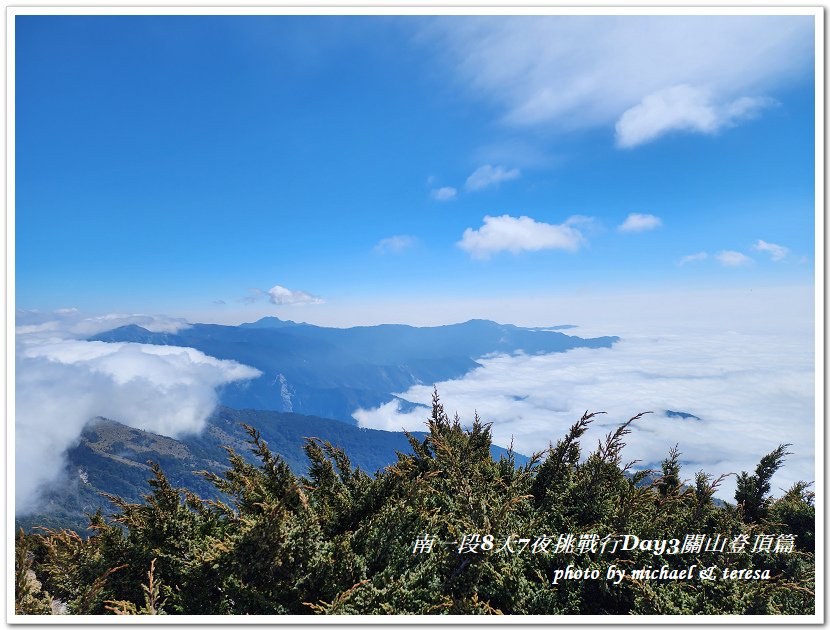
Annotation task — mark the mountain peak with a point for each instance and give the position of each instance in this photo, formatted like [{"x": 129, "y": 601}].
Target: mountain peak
[
  {"x": 134, "y": 328},
  {"x": 271, "y": 322},
  {"x": 132, "y": 333},
  {"x": 480, "y": 322}
]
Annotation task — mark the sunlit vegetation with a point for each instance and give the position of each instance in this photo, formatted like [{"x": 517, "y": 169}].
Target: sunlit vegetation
[{"x": 337, "y": 540}]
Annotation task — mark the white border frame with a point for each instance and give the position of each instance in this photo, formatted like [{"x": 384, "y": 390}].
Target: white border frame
[{"x": 460, "y": 8}]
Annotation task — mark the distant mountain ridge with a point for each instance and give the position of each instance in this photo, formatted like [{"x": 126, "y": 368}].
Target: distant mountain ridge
[{"x": 331, "y": 372}]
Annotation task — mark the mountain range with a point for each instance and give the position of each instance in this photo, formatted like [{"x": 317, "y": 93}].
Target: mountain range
[
  {"x": 313, "y": 379},
  {"x": 331, "y": 372}
]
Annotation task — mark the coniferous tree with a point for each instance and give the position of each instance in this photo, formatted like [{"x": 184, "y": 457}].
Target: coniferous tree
[
  {"x": 444, "y": 529},
  {"x": 751, "y": 492}
]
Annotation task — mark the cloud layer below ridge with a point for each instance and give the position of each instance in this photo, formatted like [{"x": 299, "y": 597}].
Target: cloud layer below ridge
[
  {"x": 62, "y": 382},
  {"x": 753, "y": 387}
]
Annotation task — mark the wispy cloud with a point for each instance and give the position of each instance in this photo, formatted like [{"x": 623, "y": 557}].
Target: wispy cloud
[
  {"x": 518, "y": 234},
  {"x": 72, "y": 322},
  {"x": 488, "y": 175},
  {"x": 636, "y": 222},
  {"x": 445, "y": 193},
  {"x": 524, "y": 153},
  {"x": 650, "y": 74},
  {"x": 395, "y": 244},
  {"x": 254, "y": 295},
  {"x": 729, "y": 258},
  {"x": 692, "y": 258},
  {"x": 776, "y": 252}
]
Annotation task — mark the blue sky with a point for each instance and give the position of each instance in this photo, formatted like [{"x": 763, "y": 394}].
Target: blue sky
[{"x": 229, "y": 167}]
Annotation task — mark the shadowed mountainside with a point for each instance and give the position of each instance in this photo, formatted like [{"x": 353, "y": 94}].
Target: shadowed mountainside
[{"x": 113, "y": 458}]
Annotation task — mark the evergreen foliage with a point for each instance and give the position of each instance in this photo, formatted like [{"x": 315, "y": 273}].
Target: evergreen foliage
[
  {"x": 339, "y": 541},
  {"x": 752, "y": 490}
]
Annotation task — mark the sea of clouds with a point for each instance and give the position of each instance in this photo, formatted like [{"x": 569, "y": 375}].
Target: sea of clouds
[
  {"x": 743, "y": 362},
  {"x": 63, "y": 381},
  {"x": 750, "y": 379}
]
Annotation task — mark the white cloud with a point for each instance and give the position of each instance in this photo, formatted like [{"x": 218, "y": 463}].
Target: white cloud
[
  {"x": 61, "y": 383},
  {"x": 693, "y": 258},
  {"x": 282, "y": 296},
  {"x": 570, "y": 72},
  {"x": 395, "y": 244},
  {"x": 516, "y": 235},
  {"x": 488, "y": 175},
  {"x": 636, "y": 222},
  {"x": 752, "y": 390},
  {"x": 776, "y": 252},
  {"x": 279, "y": 295},
  {"x": 682, "y": 108},
  {"x": 445, "y": 193},
  {"x": 729, "y": 258}
]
